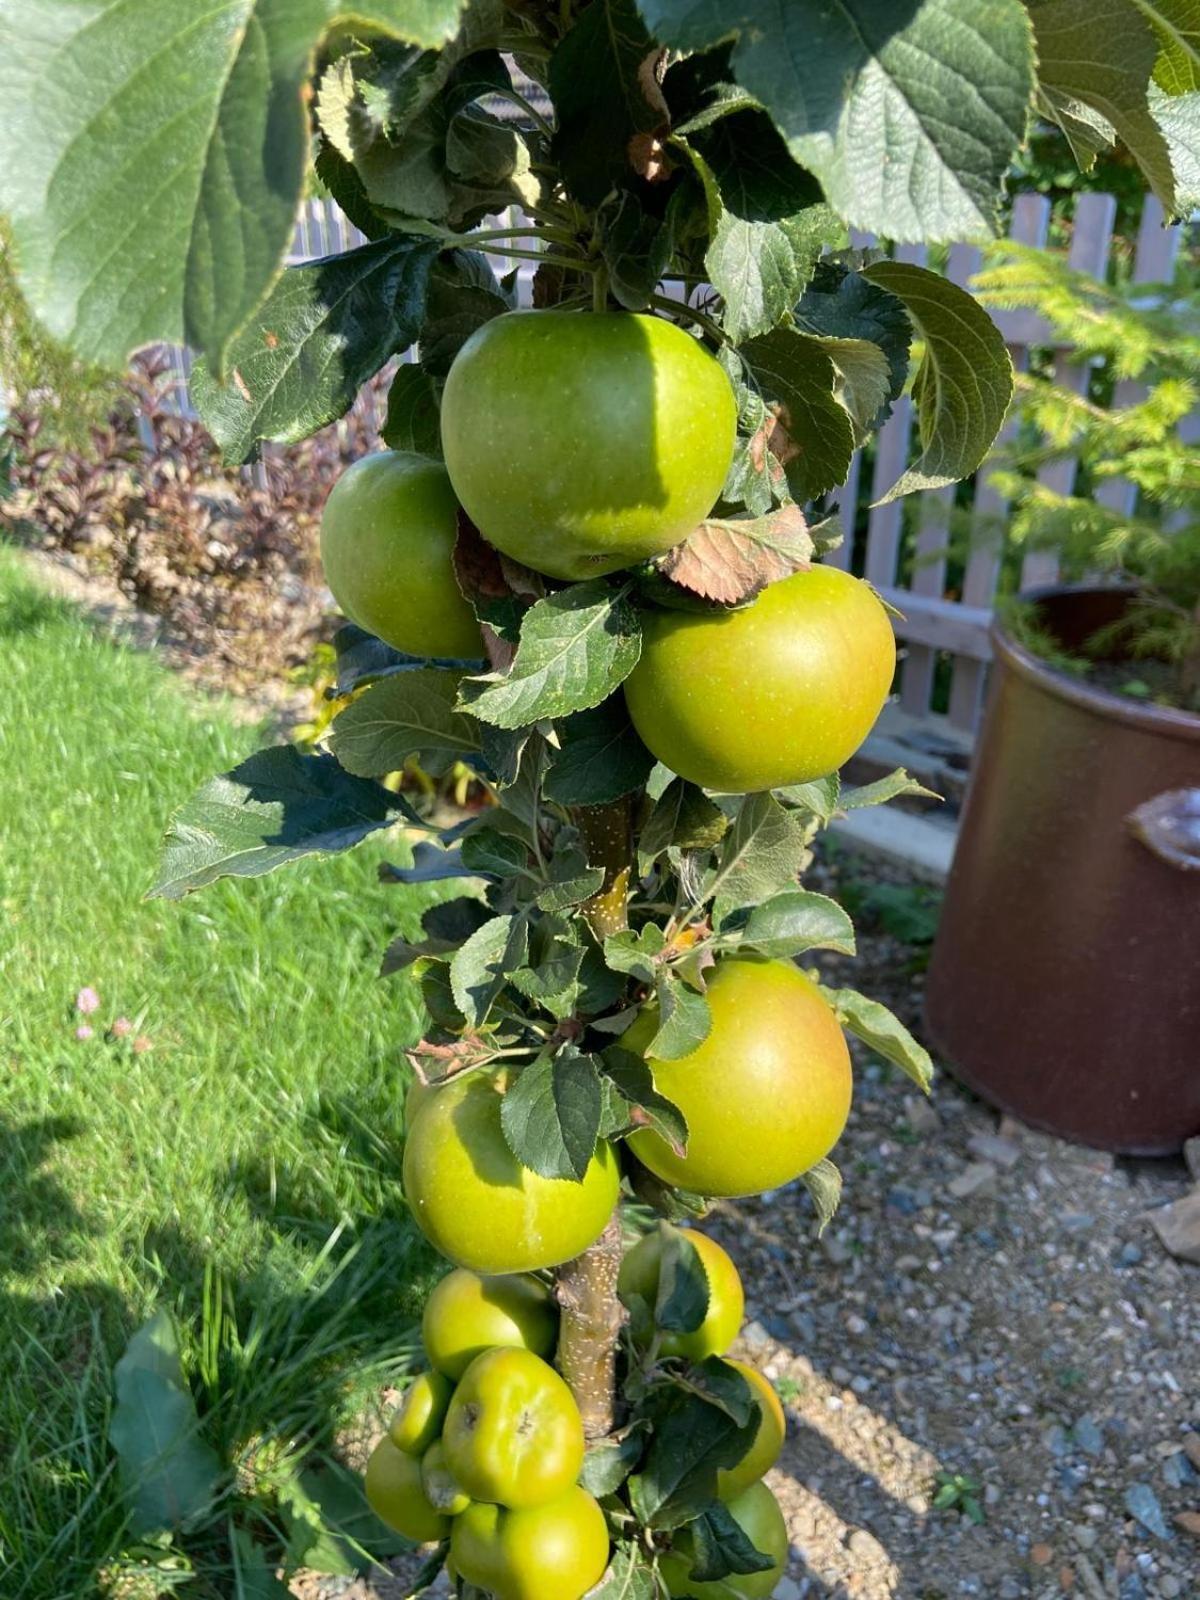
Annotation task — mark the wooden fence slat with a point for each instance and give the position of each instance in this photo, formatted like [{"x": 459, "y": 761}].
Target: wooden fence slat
[
  {"x": 1094, "y": 217},
  {"x": 1030, "y": 225}
]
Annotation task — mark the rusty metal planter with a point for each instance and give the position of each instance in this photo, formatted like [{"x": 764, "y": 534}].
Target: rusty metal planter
[{"x": 1065, "y": 980}]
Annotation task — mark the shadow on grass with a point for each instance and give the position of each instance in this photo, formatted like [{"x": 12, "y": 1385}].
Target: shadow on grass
[{"x": 291, "y": 1347}]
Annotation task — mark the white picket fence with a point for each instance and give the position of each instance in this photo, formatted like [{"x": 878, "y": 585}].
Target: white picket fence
[{"x": 936, "y": 624}]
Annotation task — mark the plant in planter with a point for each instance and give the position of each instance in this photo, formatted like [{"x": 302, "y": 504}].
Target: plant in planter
[
  {"x": 588, "y": 562},
  {"x": 1082, "y": 828},
  {"x": 1133, "y": 518}
]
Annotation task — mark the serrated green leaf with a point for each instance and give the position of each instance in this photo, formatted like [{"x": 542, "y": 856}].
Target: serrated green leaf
[
  {"x": 684, "y": 1020},
  {"x": 908, "y": 116},
  {"x": 1177, "y": 24},
  {"x": 684, "y": 817},
  {"x": 965, "y": 380},
  {"x": 634, "y": 953},
  {"x": 325, "y": 328},
  {"x": 577, "y": 645},
  {"x": 463, "y": 295},
  {"x": 692, "y": 1440},
  {"x": 643, "y": 1106},
  {"x": 629, "y": 1576},
  {"x": 761, "y": 854},
  {"x": 842, "y": 304},
  {"x": 877, "y": 1027},
  {"x": 277, "y": 806},
  {"x": 766, "y": 223},
  {"x": 551, "y": 978},
  {"x": 720, "y": 1546},
  {"x": 494, "y": 854},
  {"x": 824, "y": 1183},
  {"x": 1113, "y": 80},
  {"x": 409, "y": 715},
  {"x": 636, "y": 243},
  {"x": 599, "y": 758},
  {"x": 821, "y": 797},
  {"x": 607, "y": 1464},
  {"x": 430, "y": 864},
  {"x": 482, "y": 967},
  {"x": 551, "y": 1115},
  {"x": 362, "y": 659},
  {"x": 682, "y": 1300},
  {"x": 794, "y": 371},
  {"x": 163, "y": 154},
  {"x": 882, "y": 790},
  {"x": 797, "y": 920},
  {"x": 570, "y": 881},
  {"x": 1087, "y": 132},
  {"x": 602, "y": 98},
  {"x": 412, "y": 422},
  {"x": 722, "y": 1385},
  {"x": 169, "y": 1474},
  {"x": 1179, "y": 118}
]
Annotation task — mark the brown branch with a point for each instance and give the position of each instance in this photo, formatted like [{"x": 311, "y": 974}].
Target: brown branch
[
  {"x": 592, "y": 1314},
  {"x": 607, "y": 833},
  {"x": 591, "y": 1323}
]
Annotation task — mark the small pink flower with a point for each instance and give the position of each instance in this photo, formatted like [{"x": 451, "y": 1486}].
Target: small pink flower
[
  {"x": 84, "y": 1032},
  {"x": 141, "y": 1044},
  {"x": 87, "y": 1001},
  {"x": 121, "y": 1027}
]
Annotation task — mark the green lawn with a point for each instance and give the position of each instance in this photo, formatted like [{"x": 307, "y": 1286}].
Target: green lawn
[{"x": 265, "y": 1114}]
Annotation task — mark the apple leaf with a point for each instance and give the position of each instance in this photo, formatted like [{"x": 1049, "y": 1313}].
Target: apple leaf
[
  {"x": 797, "y": 920},
  {"x": 599, "y": 757},
  {"x": 841, "y": 304},
  {"x": 876, "y": 1026},
  {"x": 1177, "y": 24},
  {"x": 411, "y": 714},
  {"x": 824, "y": 1183},
  {"x": 162, "y": 157},
  {"x": 643, "y": 1106},
  {"x": 720, "y": 1546},
  {"x": 412, "y": 422},
  {"x": 813, "y": 435},
  {"x": 629, "y": 1577},
  {"x": 908, "y": 114},
  {"x": 965, "y": 381},
  {"x": 326, "y": 328},
  {"x": 684, "y": 1020},
  {"x": 577, "y": 645},
  {"x": 732, "y": 560},
  {"x": 762, "y": 853},
  {"x": 551, "y": 1115},
  {"x": 1112, "y": 80},
  {"x": 683, "y": 817},
  {"x": 276, "y": 806},
  {"x": 482, "y": 966},
  {"x": 605, "y": 91}
]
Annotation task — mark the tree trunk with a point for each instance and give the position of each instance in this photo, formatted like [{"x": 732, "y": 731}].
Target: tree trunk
[{"x": 592, "y": 1315}]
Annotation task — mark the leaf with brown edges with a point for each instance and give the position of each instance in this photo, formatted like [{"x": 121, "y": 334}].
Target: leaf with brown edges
[{"x": 732, "y": 560}]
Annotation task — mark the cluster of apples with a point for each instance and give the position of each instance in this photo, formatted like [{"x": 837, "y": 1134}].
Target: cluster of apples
[
  {"x": 748, "y": 1499},
  {"x": 580, "y": 444},
  {"x": 765, "y": 1096},
  {"x": 487, "y": 1448}
]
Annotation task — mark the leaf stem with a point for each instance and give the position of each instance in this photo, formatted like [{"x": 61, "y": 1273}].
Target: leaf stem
[{"x": 677, "y": 308}]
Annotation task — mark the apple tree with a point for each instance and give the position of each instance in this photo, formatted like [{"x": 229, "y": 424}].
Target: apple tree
[{"x": 588, "y": 565}]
